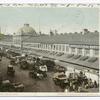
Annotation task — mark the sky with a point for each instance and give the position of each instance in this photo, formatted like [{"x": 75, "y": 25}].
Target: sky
[{"x": 44, "y": 19}]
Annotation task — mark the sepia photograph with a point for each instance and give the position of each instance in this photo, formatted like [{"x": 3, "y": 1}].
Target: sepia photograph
[{"x": 49, "y": 49}]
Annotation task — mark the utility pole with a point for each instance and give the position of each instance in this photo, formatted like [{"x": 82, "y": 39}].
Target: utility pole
[
  {"x": 5, "y": 29},
  {"x": 0, "y": 30},
  {"x": 39, "y": 25},
  {"x": 21, "y": 40},
  {"x": 21, "y": 46}
]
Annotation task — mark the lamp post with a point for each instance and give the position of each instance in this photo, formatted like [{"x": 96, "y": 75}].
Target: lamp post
[
  {"x": 21, "y": 48},
  {"x": 21, "y": 42}
]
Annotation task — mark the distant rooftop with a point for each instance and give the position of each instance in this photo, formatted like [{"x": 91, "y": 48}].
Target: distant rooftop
[
  {"x": 88, "y": 39},
  {"x": 26, "y": 30}
]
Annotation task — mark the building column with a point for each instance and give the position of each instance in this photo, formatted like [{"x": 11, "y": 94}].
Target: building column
[
  {"x": 65, "y": 48},
  {"x": 38, "y": 45},
  {"x": 91, "y": 53},
  {"x": 76, "y": 51},
  {"x": 48, "y": 47},
  {"x": 83, "y": 52},
  {"x": 70, "y": 52},
  {"x": 41, "y": 46},
  {"x": 57, "y": 49},
  {"x": 61, "y": 47},
  {"x": 44, "y": 47},
  {"x": 52, "y": 49}
]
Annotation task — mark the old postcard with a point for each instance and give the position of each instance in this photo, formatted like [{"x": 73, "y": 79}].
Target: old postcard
[{"x": 49, "y": 49}]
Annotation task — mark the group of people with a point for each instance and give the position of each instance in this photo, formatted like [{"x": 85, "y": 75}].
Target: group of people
[{"x": 78, "y": 82}]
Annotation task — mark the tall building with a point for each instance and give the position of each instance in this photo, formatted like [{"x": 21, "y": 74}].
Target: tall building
[{"x": 23, "y": 34}]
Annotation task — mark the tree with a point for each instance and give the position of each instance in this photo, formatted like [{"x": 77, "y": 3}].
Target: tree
[{"x": 1, "y": 35}]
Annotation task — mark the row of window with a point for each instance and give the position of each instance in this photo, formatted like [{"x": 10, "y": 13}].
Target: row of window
[{"x": 64, "y": 48}]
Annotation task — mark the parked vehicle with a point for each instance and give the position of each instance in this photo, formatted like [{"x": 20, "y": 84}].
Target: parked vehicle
[
  {"x": 36, "y": 75},
  {"x": 7, "y": 86},
  {"x": 39, "y": 72},
  {"x": 13, "y": 61},
  {"x": 23, "y": 64},
  {"x": 50, "y": 64},
  {"x": 60, "y": 79},
  {"x": 1, "y": 78},
  {"x": 59, "y": 68},
  {"x": 18, "y": 87},
  {"x": 10, "y": 70},
  {"x": 0, "y": 58},
  {"x": 31, "y": 64}
]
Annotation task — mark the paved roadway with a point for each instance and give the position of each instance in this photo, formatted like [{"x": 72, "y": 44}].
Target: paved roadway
[{"x": 31, "y": 85}]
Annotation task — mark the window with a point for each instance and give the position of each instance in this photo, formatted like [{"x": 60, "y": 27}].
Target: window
[
  {"x": 53, "y": 47},
  {"x": 96, "y": 52},
  {"x": 59, "y": 47},
  {"x": 56, "y": 47},
  {"x": 67, "y": 49},
  {"x": 63, "y": 47},
  {"x": 73, "y": 49},
  {"x": 49, "y": 46},
  {"x": 87, "y": 51},
  {"x": 80, "y": 51},
  {"x": 46, "y": 46},
  {"x": 40, "y": 45}
]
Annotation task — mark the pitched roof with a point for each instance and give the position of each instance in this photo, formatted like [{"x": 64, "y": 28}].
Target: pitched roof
[
  {"x": 68, "y": 39},
  {"x": 87, "y": 39}
]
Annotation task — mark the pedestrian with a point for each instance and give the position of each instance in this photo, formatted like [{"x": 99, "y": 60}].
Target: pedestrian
[{"x": 95, "y": 84}]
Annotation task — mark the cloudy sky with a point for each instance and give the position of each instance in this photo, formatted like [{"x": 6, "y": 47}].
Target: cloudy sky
[{"x": 62, "y": 19}]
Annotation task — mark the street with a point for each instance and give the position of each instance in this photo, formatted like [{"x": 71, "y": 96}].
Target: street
[{"x": 31, "y": 85}]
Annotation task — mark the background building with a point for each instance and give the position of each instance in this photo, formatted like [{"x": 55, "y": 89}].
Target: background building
[
  {"x": 81, "y": 49},
  {"x": 23, "y": 33}
]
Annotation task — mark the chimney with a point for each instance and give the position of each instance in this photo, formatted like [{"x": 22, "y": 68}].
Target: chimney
[{"x": 27, "y": 25}]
